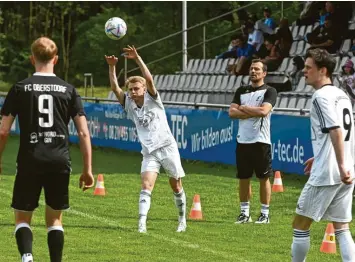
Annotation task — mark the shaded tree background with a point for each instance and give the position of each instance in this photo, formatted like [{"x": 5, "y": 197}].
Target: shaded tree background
[{"x": 78, "y": 30}]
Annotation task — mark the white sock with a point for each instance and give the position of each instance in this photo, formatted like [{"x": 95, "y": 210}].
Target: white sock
[
  {"x": 144, "y": 205},
  {"x": 265, "y": 209},
  {"x": 244, "y": 208},
  {"x": 346, "y": 244},
  {"x": 300, "y": 245},
  {"x": 27, "y": 258},
  {"x": 180, "y": 202}
]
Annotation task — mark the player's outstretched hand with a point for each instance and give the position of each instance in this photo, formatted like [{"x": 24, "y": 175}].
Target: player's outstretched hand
[
  {"x": 86, "y": 181},
  {"x": 346, "y": 176},
  {"x": 130, "y": 52},
  {"x": 111, "y": 60},
  {"x": 308, "y": 164}
]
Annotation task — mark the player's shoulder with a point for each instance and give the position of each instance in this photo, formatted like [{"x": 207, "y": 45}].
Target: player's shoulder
[
  {"x": 267, "y": 87},
  {"x": 244, "y": 89},
  {"x": 328, "y": 92}
]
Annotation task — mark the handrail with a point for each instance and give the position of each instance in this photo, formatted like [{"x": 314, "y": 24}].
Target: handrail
[
  {"x": 197, "y": 25},
  {"x": 177, "y": 52},
  {"x": 180, "y": 32},
  {"x": 201, "y": 43},
  {"x": 197, "y": 105}
]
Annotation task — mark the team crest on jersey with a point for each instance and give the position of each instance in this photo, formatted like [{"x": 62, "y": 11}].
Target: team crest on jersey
[
  {"x": 33, "y": 138},
  {"x": 146, "y": 119}
]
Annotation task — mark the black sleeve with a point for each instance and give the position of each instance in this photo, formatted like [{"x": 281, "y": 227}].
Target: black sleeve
[
  {"x": 11, "y": 103},
  {"x": 236, "y": 98},
  {"x": 270, "y": 96},
  {"x": 76, "y": 107}
]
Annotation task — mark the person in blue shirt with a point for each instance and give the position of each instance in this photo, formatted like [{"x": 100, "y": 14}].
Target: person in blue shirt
[{"x": 269, "y": 21}]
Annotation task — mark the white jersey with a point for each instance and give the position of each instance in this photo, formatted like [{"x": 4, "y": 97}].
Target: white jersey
[
  {"x": 255, "y": 129},
  {"x": 151, "y": 122},
  {"x": 331, "y": 108}
]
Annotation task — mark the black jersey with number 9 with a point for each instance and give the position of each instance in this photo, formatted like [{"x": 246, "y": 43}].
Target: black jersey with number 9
[{"x": 44, "y": 105}]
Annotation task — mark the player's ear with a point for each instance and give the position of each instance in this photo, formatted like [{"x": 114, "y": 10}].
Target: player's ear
[
  {"x": 55, "y": 60},
  {"x": 32, "y": 59}
]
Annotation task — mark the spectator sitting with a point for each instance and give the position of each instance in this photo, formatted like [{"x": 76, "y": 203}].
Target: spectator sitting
[
  {"x": 297, "y": 73},
  {"x": 269, "y": 21},
  {"x": 284, "y": 37},
  {"x": 324, "y": 37},
  {"x": 309, "y": 13},
  {"x": 256, "y": 39},
  {"x": 322, "y": 16},
  {"x": 232, "y": 50},
  {"x": 347, "y": 79},
  {"x": 244, "y": 53},
  {"x": 274, "y": 59}
]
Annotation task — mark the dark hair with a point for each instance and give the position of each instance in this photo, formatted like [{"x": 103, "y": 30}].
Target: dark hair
[
  {"x": 240, "y": 37},
  {"x": 260, "y": 61},
  {"x": 321, "y": 59}
]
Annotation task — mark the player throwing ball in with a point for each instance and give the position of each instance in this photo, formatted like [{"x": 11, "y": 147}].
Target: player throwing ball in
[{"x": 159, "y": 148}]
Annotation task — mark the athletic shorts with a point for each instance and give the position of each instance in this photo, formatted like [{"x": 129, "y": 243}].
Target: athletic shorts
[
  {"x": 28, "y": 187},
  {"x": 331, "y": 203},
  {"x": 252, "y": 158},
  {"x": 167, "y": 157}
]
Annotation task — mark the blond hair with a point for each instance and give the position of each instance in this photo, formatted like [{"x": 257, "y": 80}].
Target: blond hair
[
  {"x": 44, "y": 49},
  {"x": 135, "y": 79}
]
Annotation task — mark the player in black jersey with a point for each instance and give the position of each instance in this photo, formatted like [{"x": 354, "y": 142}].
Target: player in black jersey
[{"x": 44, "y": 105}]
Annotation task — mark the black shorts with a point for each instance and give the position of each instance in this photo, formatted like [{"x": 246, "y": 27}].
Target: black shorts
[
  {"x": 28, "y": 187},
  {"x": 252, "y": 158}
]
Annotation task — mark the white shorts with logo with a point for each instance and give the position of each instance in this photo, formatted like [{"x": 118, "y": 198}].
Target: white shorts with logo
[
  {"x": 331, "y": 203},
  {"x": 167, "y": 157}
]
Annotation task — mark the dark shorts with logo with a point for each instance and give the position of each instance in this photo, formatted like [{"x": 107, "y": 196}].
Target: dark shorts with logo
[
  {"x": 28, "y": 186},
  {"x": 252, "y": 158}
]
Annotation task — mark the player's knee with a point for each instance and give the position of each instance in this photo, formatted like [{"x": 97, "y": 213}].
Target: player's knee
[
  {"x": 175, "y": 184},
  {"x": 147, "y": 185},
  {"x": 301, "y": 222},
  {"x": 340, "y": 225}
]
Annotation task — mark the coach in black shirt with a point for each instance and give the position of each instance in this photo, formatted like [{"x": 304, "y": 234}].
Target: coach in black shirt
[
  {"x": 44, "y": 105},
  {"x": 252, "y": 105}
]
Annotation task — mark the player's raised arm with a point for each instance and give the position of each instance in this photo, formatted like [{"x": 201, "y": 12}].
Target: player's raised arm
[
  {"x": 112, "y": 61},
  {"x": 131, "y": 53}
]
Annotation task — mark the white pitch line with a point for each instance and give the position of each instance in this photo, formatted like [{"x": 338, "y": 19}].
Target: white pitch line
[{"x": 160, "y": 237}]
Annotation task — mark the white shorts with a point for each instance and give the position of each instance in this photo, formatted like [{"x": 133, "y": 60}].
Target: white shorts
[
  {"x": 331, "y": 203},
  {"x": 167, "y": 157}
]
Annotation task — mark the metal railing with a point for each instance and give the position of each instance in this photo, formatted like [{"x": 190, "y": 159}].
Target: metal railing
[
  {"x": 204, "y": 41},
  {"x": 301, "y": 111},
  {"x": 186, "y": 30}
]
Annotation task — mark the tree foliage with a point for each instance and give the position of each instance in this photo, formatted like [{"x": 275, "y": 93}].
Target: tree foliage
[{"x": 78, "y": 30}]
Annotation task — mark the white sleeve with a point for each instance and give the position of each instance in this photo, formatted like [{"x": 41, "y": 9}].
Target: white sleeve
[
  {"x": 156, "y": 100},
  {"x": 326, "y": 113}
]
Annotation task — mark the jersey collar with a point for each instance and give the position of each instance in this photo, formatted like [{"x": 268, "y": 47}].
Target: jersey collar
[{"x": 43, "y": 74}]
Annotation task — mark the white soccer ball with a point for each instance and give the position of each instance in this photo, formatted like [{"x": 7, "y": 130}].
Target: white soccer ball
[{"x": 115, "y": 28}]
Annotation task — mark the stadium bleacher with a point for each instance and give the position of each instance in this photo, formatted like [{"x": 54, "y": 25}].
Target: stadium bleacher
[{"x": 207, "y": 80}]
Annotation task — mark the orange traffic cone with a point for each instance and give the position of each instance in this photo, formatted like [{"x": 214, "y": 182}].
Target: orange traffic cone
[
  {"x": 328, "y": 244},
  {"x": 277, "y": 186},
  {"x": 196, "y": 212},
  {"x": 100, "y": 187}
]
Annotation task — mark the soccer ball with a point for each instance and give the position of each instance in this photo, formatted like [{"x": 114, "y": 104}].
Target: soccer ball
[{"x": 115, "y": 28}]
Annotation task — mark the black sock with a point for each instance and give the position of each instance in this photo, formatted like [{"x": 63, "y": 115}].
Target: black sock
[
  {"x": 24, "y": 240},
  {"x": 55, "y": 244}
]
